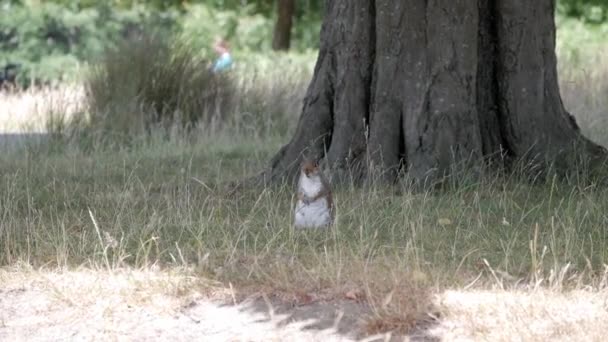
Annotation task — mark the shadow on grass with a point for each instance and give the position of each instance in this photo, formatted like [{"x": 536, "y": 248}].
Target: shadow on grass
[{"x": 343, "y": 317}]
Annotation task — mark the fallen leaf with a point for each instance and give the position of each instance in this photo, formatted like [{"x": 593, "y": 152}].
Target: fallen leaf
[
  {"x": 353, "y": 295},
  {"x": 444, "y": 221},
  {"x": 304, "y": 298}
]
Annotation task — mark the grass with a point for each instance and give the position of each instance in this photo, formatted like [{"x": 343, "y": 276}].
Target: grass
[
  {"x": 168, "y": 194},
  {"x": 163, "y": 202},
  {"x": 584, "y": 92},
  {"x": 132, "y": 92},
  {"x": 578, "y": 41},
  {"x": 582, "y": 72}
]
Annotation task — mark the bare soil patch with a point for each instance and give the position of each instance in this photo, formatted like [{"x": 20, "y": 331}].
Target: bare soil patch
[
  {"x": 148, "y": 305},
  {"x": 140, "y": 305}
]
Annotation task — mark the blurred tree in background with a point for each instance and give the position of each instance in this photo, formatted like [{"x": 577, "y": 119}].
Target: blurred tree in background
[{"x": 284, "y": 22}]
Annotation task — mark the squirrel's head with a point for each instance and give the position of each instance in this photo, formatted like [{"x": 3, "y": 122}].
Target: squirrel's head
[{"x": 310, "y": 168}]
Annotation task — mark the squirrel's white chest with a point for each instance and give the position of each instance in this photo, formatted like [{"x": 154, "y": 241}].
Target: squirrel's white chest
[
  {"x": 314, "y": 214},
  {"x": 310, "y": 186}
]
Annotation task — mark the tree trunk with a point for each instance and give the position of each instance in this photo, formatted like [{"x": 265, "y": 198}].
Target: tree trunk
[
  {"x": 282, "y": 29},
  {"x": 424, "y": 86}
]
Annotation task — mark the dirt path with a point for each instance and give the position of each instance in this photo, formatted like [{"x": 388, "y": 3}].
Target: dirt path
[
  {"x": 140, "y": 306},
  {"x": 149, "y": 305}
]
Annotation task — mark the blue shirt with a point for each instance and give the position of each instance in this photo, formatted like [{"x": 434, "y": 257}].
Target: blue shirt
[{"x": 223, "y": 63}]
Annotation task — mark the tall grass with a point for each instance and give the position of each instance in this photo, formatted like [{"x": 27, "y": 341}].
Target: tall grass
[
  {"x": 147, "y": 81},
  {"x": 585, "y": 93}
]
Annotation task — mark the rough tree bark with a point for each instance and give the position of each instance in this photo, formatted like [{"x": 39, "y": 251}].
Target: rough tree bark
[
  {"x": 423, "y": 85},
  {"x": 282, "y": 29}
]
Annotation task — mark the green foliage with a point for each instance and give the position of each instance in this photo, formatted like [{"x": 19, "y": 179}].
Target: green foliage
[
  {"x": 62, "y": 34},
  {"x": 246, "y": 30},
  {"x": 260, "y": 6},
  {"x": 145, "y": 81},
  {"x": 578, "y": 40},
  {"x": 592, "y": 11},
  {"x": 307, "y": 26},
  {"x": 248, "y": 27},
  {"x": 56, "y": 38}
]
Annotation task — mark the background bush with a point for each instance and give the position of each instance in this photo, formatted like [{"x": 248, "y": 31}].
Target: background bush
[
  {"x": 145, "y": 81},
  {"x": 594, "y": 11},
  {"x": 50, "y": 40}
]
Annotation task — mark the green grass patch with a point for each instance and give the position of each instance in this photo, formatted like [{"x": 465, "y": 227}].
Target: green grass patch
[{"x": 167, "y": 202}]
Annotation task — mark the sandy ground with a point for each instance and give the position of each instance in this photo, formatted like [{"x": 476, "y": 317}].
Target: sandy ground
[
  {"x": 540, "y": 315},
  {"x": 138, "y": 306},
  {"x": 131, "y": 305},
  {"x": 29, "y": 111}
]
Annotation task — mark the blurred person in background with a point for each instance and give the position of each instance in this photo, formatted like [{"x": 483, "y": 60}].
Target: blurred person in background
[{"x": 224, "y": 61}]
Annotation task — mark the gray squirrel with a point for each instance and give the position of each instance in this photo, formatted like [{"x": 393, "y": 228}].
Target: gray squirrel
[{"x": 315, "y": 205}]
